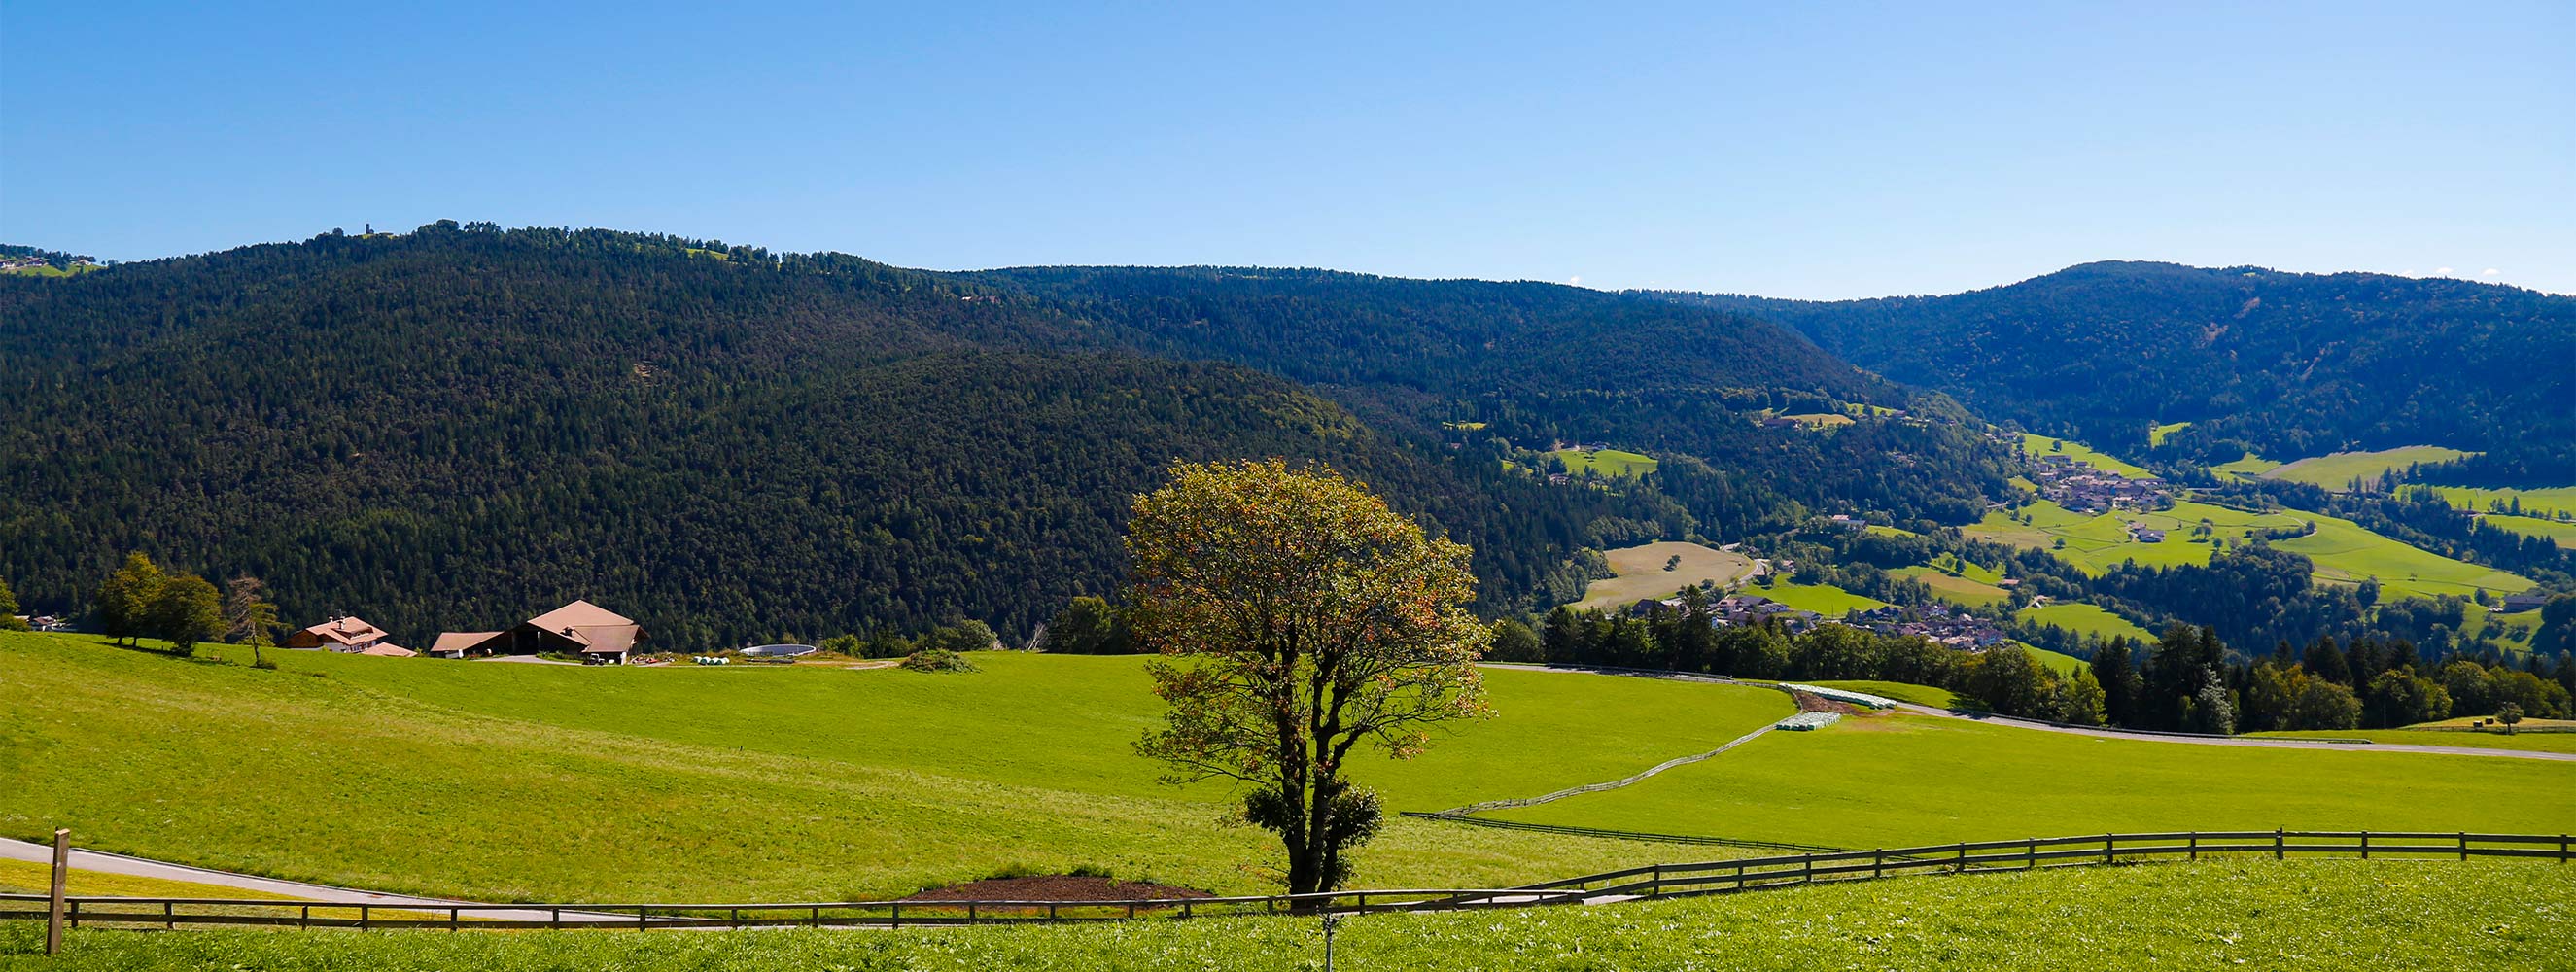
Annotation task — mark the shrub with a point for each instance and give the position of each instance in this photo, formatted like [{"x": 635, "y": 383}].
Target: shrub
[{"x": 937, "y": 660}]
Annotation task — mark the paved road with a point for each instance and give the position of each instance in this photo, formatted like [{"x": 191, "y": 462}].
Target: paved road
[
  {"x": 2253, "y": 741},
  {"x": 106, "y": 863}
]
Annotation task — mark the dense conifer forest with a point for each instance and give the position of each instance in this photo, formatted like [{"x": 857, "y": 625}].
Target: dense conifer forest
[
  {"x": 2286, "y": 365},
  {"x": 462, "y": 426}
]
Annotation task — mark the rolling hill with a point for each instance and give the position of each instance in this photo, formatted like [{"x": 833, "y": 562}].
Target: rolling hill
[
  {"x": 456, "y": 426},
  {"x": 2285, "y": 365}
]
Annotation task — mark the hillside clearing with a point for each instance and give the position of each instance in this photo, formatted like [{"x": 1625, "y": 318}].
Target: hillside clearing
[
  {"x": 2156, "y": 436},
  {"x": 2548, "y": 501},
  {"x": 1642, "y": 574},
  {"x": 2250, "y": 467},
  {"x": 2039, "y": 445},
  {"x": 2338, "y": 470},
  {"x": 1824, "y": 599},
  {"x": 2086, "y": 619},
  {"x": 2344, "y": 552},
  {"x": 1607, "y": 462},
  {"x": 2560, "y": 532}
]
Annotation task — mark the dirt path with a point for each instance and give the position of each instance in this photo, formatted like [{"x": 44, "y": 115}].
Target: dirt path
[{"x": 106, "y": 863}]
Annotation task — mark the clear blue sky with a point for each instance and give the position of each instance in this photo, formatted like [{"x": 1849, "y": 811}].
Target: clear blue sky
[{"x": 1787, "y": 149}]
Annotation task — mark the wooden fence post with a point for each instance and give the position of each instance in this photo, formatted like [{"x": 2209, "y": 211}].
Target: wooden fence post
[
  {"x": 1878, "y": 863},
  {"x": 2106, "y": 848},
  {"x": 2365, "y": 845},
  {"x": 54, "y": 902},
  {"x": 1959, "y": 863},
  {"x": 1739, "y": 874},
  {"x": 2276, "y": 843},
  {"x": 2030, "y": 853},
  {"x": 2195, "y": 845},
  {"x": 554, "y": 917},
  {"x": 896, "y": 915},
  {"x": 2464, "y": 845},
  {"x": 362, "y": 917},
  {"x": 639, "y": 917},
  {"x": 452, "y": 919}
]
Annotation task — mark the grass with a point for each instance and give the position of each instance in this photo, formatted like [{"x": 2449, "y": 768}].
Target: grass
[
  {"x": 1642, "y": 574},
  {"x": 1889, "y": 531},
  {"x": 1824, "y": 599},
  {"x": 2344, "y": 552},
  {"x": 2086, "y": 619},
  {"x": 522, "y": 782},
  {"x": 2250, "y": 467},
  {"x": 2293, "y": 916},
  {"x": 1939, "y": 698},
  {"x": 2561, "y": 532},
  {"x": 1608, "y": 462},
  {"x": 2336, "y": 471},
  {"x": 1900, "y": 780},
  {"x": 2549, "y": 501},
  {"x": 2042, "y": 445},
  {"x": 1959, "y": 581},
  {"x": 2156, "y": 436},
  {"x": 2548, "y": 742},
  {"x": 29, "y": 877},
  {"x": 2057, "y": 661},
  {"x": 1820, "y": 420}
]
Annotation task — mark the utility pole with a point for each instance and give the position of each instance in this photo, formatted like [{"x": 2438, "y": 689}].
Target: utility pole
[{"x": 54, "y": 910}]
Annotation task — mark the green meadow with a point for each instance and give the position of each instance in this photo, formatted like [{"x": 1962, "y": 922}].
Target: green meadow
[
  {"x": 1898, "y": 780},
  {"x": 1820, "y": 420},
  {"x": 2560, "y": 532},
  {"x": 2338, "y": 470},
  {"x": 2232, "y": 914},
  {"x": 1962, "y": 582},
  {"x": 518, "y": 782},
  {"x": 2156, "y": 436},
  {"x": 2344, "y": 552},
  {"x": 2039, "y": 445},
  {"x": 2085, "y": 619},
  {"x": 2250, "y": 467},
  {"x": 1642, "y": 572},
  {"x": 2550, "y": 501},
  {"x": 2561, "y": 741},
  {"x": 1824, "y": 599},
  {"x": 1607, "y": 462}
]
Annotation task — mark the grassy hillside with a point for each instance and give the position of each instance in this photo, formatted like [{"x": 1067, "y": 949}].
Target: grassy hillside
[
  {"x": 2249, "y": 467},
  {"x": 1901, "y": 780},
  {"x": 1642, "y": 574},
  {"x": 2339, "y": 469},
  {"x": 1824, "y": 599},
  {"x": 2343, "y": 551},
  {"x": 1607, "y": 462},
  {"x": 2543, "y": 502},
  {"x": 2549, "y": 742},
  {"x": 2041, "y": 445},
  {"x": 2290, "y": 916},
  {"x": 507, "y": 781},
  {"x": 2086, "y": 619},
  {"x": 2560, "y": 532}
]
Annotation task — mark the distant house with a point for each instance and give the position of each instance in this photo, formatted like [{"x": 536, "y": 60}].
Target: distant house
[
  {"x": 2523, "y": 602},
  {"x": 348, "y": 635},
  {"x": 595, "y": 634}
]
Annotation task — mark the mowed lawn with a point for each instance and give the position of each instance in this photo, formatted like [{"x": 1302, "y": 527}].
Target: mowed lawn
[
  {"x": 1642, "y": 574},
  {"x": 523, "y": 782},
  {"x": 2086, "y": 619},
  {"x": 1900, "y": 780},
  {"x": 2298, "y": 915},
  {"x": 2344, "y": 552},
  {"x": 2547, "y": 742},
  {"x": 2337, "y": 471},
  {"x": 1958, "y": 581}
]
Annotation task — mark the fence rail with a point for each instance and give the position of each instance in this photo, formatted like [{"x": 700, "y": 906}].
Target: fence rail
[{"x": 1633, "y": 883}]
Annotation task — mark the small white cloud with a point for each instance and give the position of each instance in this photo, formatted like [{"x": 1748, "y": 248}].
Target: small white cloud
[
  {"x": 2444, "y": 271},
  {"x": 2488, "y": 272},
  {"x": 1577, "y": 281}
]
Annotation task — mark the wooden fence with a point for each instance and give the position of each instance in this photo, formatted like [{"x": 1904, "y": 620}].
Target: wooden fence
[{"x": 1635, "y": 883}]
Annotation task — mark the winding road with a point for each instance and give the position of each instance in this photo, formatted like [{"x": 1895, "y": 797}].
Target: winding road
[{"x": 106, "y": 863}]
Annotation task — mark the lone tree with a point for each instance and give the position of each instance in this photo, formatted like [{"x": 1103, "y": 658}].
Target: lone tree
[
  {"x": 1298, "y": 617},
  {"x": 248, "y": 617},
  {"x": 125, "y": 599}
]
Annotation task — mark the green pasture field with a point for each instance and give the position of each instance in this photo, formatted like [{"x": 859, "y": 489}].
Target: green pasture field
[
  {"x": 1939, "y": 698},
  {"x": 2215, "y": 915},
  {"x": 2344, "y": 552},
  {"x": 2057, "y": 661},
  {"x": 1608, "y": 462},
  {"x": 2040, "y": 445},
  {"x": 1642, "y": 574},
  {"x": 2156, "y": 436},
  {"x": 1955, "y": 589},
  {"x": 2561, "y": 532},
  {"x": 522, "y": 782},
  {"x": 1888, "y": 531},
  {"x": 1824, "y": 599},
  {"x": 2250, "y": 467},
  {"x": 2086, "y": 619},
  {"x": 2549, "y": 501},
  {"x": 2548, "y": 742},
  {"x": 1820, "y": 420},
  {"x": 2336, "y": 471},
  {"x": 1897, "y": 780}
]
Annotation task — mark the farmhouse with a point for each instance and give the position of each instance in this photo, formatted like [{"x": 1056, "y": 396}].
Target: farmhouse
[
  {"x": 595, "y": 634},
  {"x": 349, "y": 635}
]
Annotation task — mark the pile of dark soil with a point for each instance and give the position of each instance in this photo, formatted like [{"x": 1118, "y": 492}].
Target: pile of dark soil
[{"x": 1056, "y": 887}]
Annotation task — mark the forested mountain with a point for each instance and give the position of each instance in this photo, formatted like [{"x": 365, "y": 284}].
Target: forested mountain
[
  {"x": 459, "y": 427},
  {"x": 2284, "y": 364}
]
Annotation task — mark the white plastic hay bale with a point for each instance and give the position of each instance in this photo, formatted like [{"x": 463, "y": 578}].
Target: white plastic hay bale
[
  {"x": 1807, "y": 721},
  {"x": 1862, "y": 699}
]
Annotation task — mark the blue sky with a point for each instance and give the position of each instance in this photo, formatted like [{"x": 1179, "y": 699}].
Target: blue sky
[{"x": 1807, "y": 150}]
